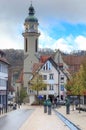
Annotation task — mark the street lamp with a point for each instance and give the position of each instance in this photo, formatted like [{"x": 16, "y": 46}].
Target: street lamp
[
  {"x": 58, "y": 84},
  {"x": 6, "y": 95},
  {"x": 58, "y": 76}
]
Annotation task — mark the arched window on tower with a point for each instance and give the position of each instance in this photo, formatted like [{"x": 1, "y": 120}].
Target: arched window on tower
[
  {"x": 26, "y": 45},
  {"x": 36, "y": 45}
]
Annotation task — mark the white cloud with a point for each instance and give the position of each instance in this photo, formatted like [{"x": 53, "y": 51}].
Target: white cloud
[
  {"x": 13, "y": 13},
  {"x": 45, "y": 41},
  {"x": 70, "y": 10},
  {"x": 10, "y": 37},
  {"x": 81, "y": 42},
  {"x": 48, "y": 42},
  {"x": 66, "y": 44},
  {"x": 63, "y": 45},
  {"x": 6, "y": 42}
]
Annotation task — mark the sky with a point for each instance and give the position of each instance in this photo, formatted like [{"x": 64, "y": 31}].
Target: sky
[{"x": 62, "y": 23}]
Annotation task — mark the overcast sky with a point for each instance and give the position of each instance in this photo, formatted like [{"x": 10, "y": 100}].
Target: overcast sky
[{"x": 62, "y": 23}]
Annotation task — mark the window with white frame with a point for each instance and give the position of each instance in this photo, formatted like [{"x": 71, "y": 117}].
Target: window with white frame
[
  {"x": 51, "y": 76},
  {"x": 44, "y": 88},
  {"x": 62, "y": 79},
  {"x": 3, "y": 82},
  {"x": 3, "y": 68},
  {"x": 47, "y": 66},
  {"x": 51, "y": 87},
  {"x": 44, "y": 77}
]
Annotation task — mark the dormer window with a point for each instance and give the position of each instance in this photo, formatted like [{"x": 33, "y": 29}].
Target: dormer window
[{"x": 47, "y": 66}]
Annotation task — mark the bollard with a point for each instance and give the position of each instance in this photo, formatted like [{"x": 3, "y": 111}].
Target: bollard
[
  {"x": 49, "y": 106},
  {"x": 49, "y": 110},
  {"x": 67, "y": 110},
  {"x": 67, "y": 106}
]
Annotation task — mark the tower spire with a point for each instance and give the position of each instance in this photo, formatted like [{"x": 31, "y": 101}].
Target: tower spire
[
  {"x": 31, "y": 2},
  {"x": 31, "y": 10}
]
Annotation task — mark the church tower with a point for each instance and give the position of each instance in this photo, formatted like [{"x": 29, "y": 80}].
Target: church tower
[{"x": 30, "y": 35}]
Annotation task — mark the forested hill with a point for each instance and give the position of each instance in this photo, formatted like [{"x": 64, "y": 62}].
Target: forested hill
[{"x": 14, "y": 57}]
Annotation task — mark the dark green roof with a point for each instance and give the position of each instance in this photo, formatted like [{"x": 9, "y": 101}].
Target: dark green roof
[{"x": 31, "y": 17}]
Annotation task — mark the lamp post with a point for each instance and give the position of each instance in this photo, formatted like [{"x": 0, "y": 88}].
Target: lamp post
[
  {"x": 58, "y": 76},
  {"x": 18, "y": 96},
  {"x": 6, "y": 95},
  {"x": 58, "y": 84}
]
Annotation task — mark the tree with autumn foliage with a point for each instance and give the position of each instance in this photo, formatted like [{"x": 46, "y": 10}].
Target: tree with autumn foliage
[
  {"x": 76, "y": 84},
  {"x": 69, "y": 88},
  {"x": 37, "y": 83},
  {"x": 84, "y": 76},
  {"x": 23, "y": 94},
  {"x": 69, "y": 85}
]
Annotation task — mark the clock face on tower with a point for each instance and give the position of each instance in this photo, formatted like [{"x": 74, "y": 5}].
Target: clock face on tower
[
  {"x": 32, "y": 26},
  {"x": 26, "y": 27}
]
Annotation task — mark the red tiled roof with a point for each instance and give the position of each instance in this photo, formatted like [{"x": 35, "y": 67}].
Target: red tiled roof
[
  {"x": 3, "y": 59},
  {"x": 74, "y": 62},
  {"x": 36, "y": 66},
  {"x": 43, "y": 58}
]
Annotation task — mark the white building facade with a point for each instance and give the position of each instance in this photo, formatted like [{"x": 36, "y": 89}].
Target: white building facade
[
  {"x": 54, "y": 79},
  {"x": 3, "y": 79}
]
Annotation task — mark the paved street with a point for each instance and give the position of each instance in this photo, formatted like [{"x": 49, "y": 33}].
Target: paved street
[
  {"x": 14, "y": 119},
  {"x": 42, "y": 121},
  {"x": 34, "y": 118}
]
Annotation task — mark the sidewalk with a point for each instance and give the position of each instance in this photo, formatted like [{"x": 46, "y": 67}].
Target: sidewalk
[
  {"x": 77, "y": 118},
  {"x": 42, "y": 121}
]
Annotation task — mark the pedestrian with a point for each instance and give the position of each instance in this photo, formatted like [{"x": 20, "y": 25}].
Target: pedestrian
[
  {"x": 76, "y": 103},
  {"x": 55, "y": 102}
]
